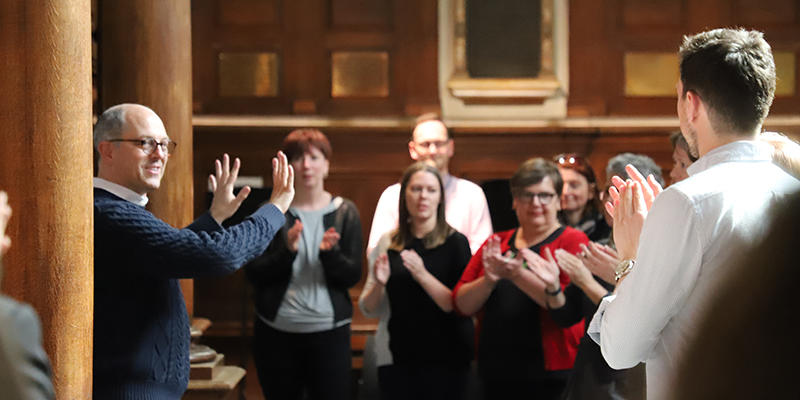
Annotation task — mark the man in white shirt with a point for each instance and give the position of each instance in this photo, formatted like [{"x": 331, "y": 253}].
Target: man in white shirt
[
  {"x": 680, "y": 249},
  {"x": 466, "y": 209}
]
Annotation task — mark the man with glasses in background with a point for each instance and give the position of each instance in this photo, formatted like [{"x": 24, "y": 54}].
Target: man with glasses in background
[
  {"x": 432, "y": 143},
  {"x": 141, "y": 328}
]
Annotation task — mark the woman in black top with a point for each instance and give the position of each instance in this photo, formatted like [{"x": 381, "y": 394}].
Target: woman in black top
[{"x": 431, "y": 346}]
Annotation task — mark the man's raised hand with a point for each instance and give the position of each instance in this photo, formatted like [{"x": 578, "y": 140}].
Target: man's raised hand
[
  {"x": 225, "y": 204},
  {"x": 282, "y": 182}
]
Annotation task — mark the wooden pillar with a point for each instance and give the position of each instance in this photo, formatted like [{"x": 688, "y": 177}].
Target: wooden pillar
[
  {"x": 46, "y": 168},
  {"x": 145, "y": 58}
]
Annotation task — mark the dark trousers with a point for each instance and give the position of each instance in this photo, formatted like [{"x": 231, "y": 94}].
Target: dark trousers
[
  {"x": 421, "y": 382},
  {"x": 289, "y": 363},
  {"x": 549, "y": 388}
]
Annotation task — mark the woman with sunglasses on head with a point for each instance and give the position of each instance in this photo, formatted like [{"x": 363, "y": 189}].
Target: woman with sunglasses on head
[
  {"x": 303, "y": 307},
  {"x": 522, "y": 352},
  {"x": 580, "y": 200},
  {"x": 423, "y": 347}
]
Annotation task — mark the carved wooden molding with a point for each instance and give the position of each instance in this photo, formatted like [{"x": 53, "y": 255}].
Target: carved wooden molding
[
  {"x": 467, "y": 98},
  {"x": 503, "y": 90}
]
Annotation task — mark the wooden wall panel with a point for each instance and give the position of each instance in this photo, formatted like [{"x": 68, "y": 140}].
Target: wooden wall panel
[
  {"x": 350, "y": 14},
  {"x": 304, "y": 34},
  {"x": 601, "y": 32},
  {"x": 653, "y": 13},
  {"x": 765, "y": 12},
  {"x": 249, "y": 12}
]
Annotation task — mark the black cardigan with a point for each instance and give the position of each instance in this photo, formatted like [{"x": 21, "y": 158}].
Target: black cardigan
[{"x": 270, "y": 272}]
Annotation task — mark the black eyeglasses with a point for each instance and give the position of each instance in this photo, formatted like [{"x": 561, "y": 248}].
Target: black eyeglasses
[
  {"x": 544, "y": 197},
  {"x": 148, "y": 145}
]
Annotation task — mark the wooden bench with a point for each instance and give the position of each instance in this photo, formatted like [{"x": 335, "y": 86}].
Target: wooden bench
[
  {"x": 226, "y": 385},
  {"x": 212, "y": 380}
]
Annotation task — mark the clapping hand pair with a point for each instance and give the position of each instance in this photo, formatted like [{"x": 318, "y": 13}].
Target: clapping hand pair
[
  {"x": 630, "y": 202},
  {"x": 601, "y": 260},
  {"x": 329, "y": 239},
  {"x": 411, "y": 261},
  {"x": 548, "y": 268},
  {"x": 498, "y": 266}
]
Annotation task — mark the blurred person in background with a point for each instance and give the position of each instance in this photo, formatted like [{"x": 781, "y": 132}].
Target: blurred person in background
[
  {"x": 424, "y": 347},
  {"x": 580, "y": 200},
  {"x": 681, "y": 159},
  {"x": 786, "y": 151},
  {"x": 591, "y": 275},
  {"x": 522, "y": 352},
  {"x": 303, "y": 308},
  {"x": 24, "y": 366}
]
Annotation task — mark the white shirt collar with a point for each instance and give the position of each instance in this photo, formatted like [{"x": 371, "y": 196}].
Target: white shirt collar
[
  {"x": 121, "y": 191},
  {"x": 447, "y": 179},
  {"x": 735, "y": 151}
]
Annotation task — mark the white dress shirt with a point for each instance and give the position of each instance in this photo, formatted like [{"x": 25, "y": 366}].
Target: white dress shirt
[
  {"x": 691, "y": 236},
  {"x": 120, "y": 191},
  {"x": 466, "y": 211}
]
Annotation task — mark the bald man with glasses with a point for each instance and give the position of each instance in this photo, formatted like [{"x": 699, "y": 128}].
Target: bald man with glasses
[{"x": 141, "y": 328}]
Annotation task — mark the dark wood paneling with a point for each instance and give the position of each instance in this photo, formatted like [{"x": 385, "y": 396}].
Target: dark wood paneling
[
  {"x": 249, "y": 12},
  {"x": 601, "y": 32},
  {"x": 304, "y": 34},
  {"x": 361, "y": 14},
  {"x": 653, "y": 13},
  {"x": 765, "y": 12}
]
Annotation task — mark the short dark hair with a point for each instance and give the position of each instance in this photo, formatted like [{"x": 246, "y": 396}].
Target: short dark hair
[
  {"x": 430, "y": 117},
  {"x": 300, "y": 141},
  {"x": 534, "y": 171},
  {"x": 733, "y": 72},
  {"x": 644, "y": 164}
]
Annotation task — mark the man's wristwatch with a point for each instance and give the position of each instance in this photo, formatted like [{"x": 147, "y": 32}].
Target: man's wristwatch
[{"x": 623, "y": 268}]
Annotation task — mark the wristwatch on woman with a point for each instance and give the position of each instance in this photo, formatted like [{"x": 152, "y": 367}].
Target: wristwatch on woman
[{"x": 623, "y": 268}]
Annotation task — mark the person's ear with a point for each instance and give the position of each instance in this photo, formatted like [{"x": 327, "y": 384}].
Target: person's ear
[
  {"x": 591, "y": 190},
  {"x": 412, "y": 151},
  {"x": 692, "y": 106},
  {"x": 106, "y": 150}
]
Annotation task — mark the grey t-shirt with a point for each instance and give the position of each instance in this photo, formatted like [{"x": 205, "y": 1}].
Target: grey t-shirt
[{"x": 306, "y": 306}]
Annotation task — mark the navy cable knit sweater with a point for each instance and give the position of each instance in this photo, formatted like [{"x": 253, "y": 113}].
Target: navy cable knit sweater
[{"x": 141, "y": 328}]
